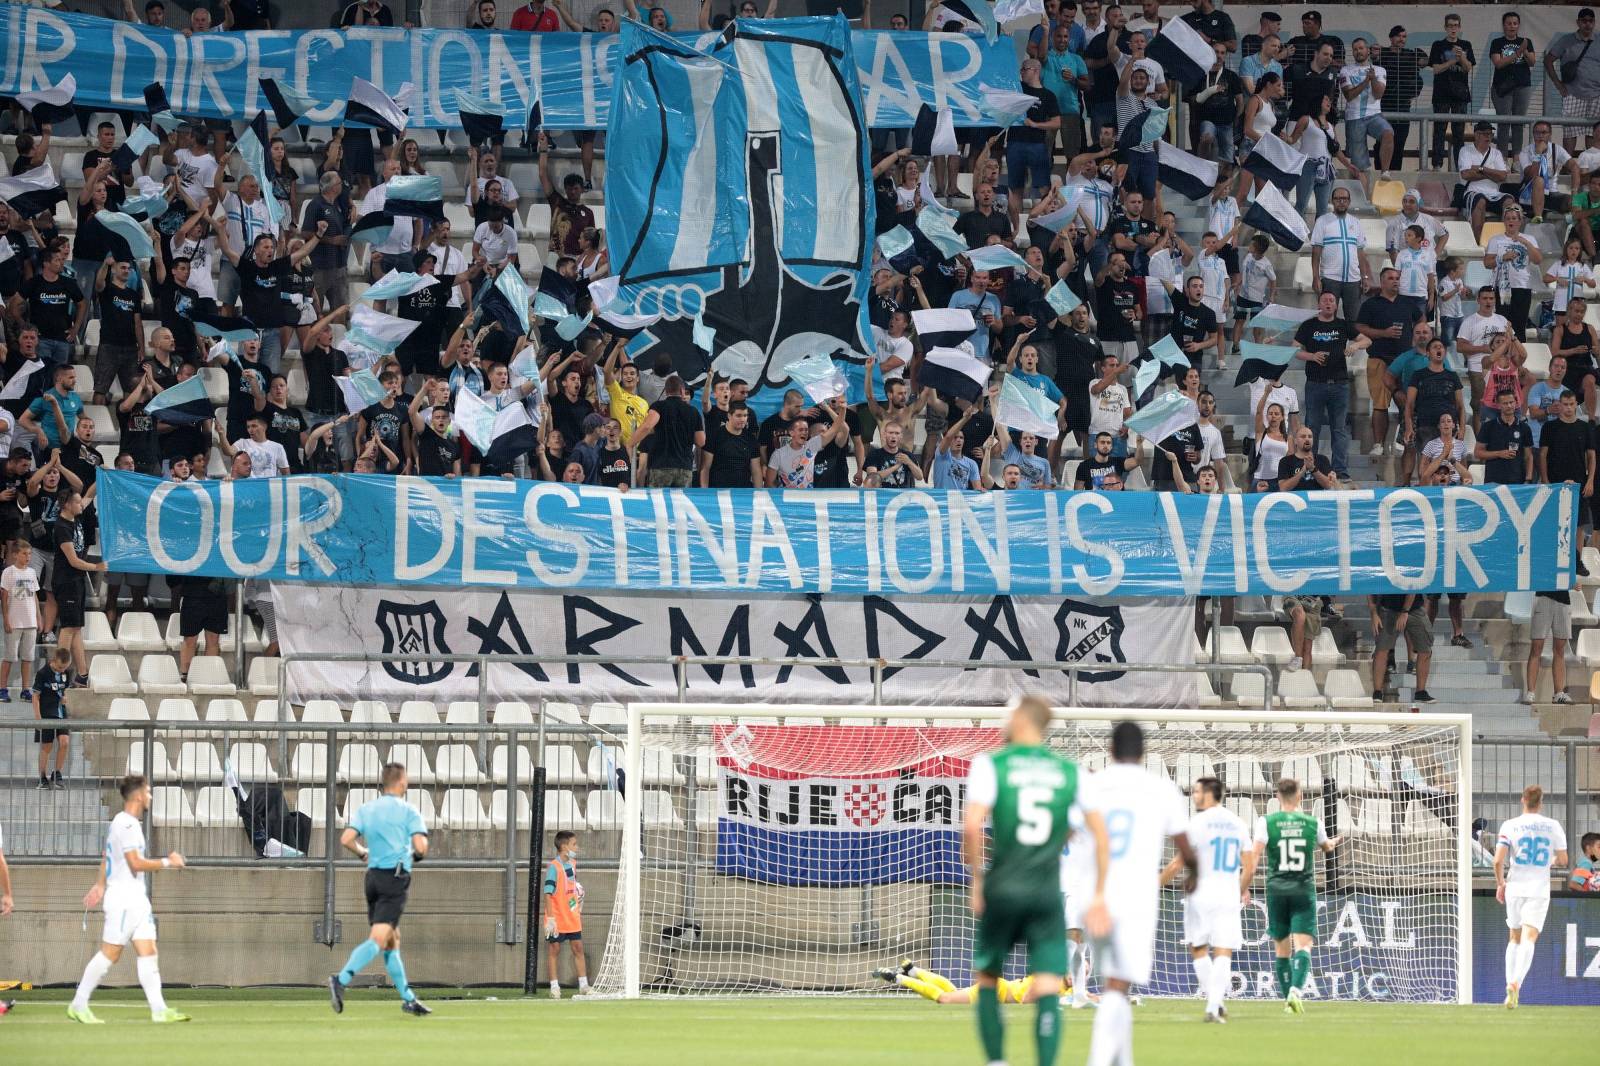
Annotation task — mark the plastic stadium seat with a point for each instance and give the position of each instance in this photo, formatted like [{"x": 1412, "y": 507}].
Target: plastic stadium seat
[
  {"x": 1421, "y": 822},
  {"x": 501, "y": 765},
  {"x": 1233, "y": 646},
  {"x": 1205, "y": 694},
  {"x": 109, "y": 676},
  {"x": 1298, "y": 688},
  {"x": 170, "y": 806},
  {"x": 176, "y": 709},
  {"x": 128, "y": 709},
  {"x": 354, "y": 800},
  {"x": 1242, "y": 774},
  {"x": 1589, "y": 647},
  {"x": 224, "y": 709},
  {"x": 705, "y": 808},
  {"x": 418, "y": 712},
  {"x": 313, "y": 802},
  {"x": 461, "y": 809},
  {"x": 321, "y": 711},
  {"x": 1245, "y": 808},
  {"x": 513, "y": 712},
  {"x": 372, "y": 712},
  {"x": 251, "y": 763},
  {"x": 1519, "y": 607},
  {"x": 499, "y": 810},
  {"x": 1351, "y": 773},
  {"x": 209, "y": 675},
  {"x": 138, "y": 631},
  {"x": 418, "y": 770},
  {"x": 358, "y": 765},
  {"x": 97, "y": 635},
  {"x": 604, "y": 761},
  {"x": 158, "y": 676},
  {"x": 156, "y": 766},
  {"x": 215, "y": 807},
  {"x": 1249, "y": 690},
  {"x": 268, "y": 711},
  {"x": 1270, "y": 644},
  {"x": 1538, "y": 362},
  {"x": 558, "y": 711},
  {"x": 1189, "y": 768},
  {"x": 1305, "y": 770},
  {"x": 611, "y": 716},
  {"x": 659, "y": 811},
  {"x": 562, "y": 766},
  {"x": 463, "y": 712},
  {"x": 309, "y": 762},
  {"x": 1591, "y": 563},
  {"x": 457, "y": 764},
  {"x": 1325, "y": 650},
  {"x": 83, "y": 384},
  {"x": 105, "y": 424},
  {"x": 1345, "y": 689},
  {"x": 422, "y": 800},
  {"x": 197, "y": 762},
  {"x": 604, "y": 810},
  {"x": 262, "y": 678},
  {"x": 659, "y": 768}
]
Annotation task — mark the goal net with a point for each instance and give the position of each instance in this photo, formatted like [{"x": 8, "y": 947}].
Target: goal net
[{"x": 786, "y": 850}]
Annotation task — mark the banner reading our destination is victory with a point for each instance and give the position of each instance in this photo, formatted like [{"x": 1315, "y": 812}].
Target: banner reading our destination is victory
[
  {"x": 217, "y": 75},
  {"x": 492, "y": 532}
]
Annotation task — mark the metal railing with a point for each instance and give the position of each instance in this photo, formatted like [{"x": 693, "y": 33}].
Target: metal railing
[{"x": 1567, "y": 769}]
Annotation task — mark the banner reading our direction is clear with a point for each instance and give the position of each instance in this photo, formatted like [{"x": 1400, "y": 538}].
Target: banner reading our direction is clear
[
  {"x": 492, "y": 532},
  {"x": 217, "y": 75}
]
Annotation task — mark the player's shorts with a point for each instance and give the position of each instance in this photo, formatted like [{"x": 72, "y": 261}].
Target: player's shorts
[
  {"x": 1129, "y": 952},
  {"x": 1037, "y": 922},
  {"x": 386, "y": 896},
  {"x": 1073, "y": 906},
  {"x": 562, "y": 938},
  {"x": 1291, "y": 911},
  {"x": 123, "y": 924},
  {"x": 1212, "y": 924},
  {"x": 1526, "y": 911}
]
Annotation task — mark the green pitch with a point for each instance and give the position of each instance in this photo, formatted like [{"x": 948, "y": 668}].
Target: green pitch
[{"x": 297, "y": 1028}]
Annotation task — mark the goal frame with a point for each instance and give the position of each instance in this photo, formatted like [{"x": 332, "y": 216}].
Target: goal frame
[{"x": 630, "y": 872}]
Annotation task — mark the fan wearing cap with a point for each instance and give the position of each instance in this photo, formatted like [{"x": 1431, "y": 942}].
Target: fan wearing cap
[
  {"x": 1434, "y": 237},
  {"x": 1404, "y": 66},
  {"x": 1250, "y": 43},
  {"x": 1482, "y": 168},
  {"x": 1573, "y": 67}
]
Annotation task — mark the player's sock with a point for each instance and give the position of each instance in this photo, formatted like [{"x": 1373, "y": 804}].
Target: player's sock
[
  {"x": 1512, "y": 952},
  {"x": 150, "y": 980},
  {"x": 583, "y": 985},
  {"x": 918, "y": 985},
  {"x": 93, "y": 974},
  {"x": 991, "y": 1031},
  {"x": 937, "y": 980},
  {"x": 397, "y": 974},
  {"x": 1300, "y": 968},
  {"x": 364, "y": 953},
  {"x": 1221, "y": 980},
  {"x": 1047, "y": 1030},
  {"x": 1080, "y": 976},
  {"x": 1525, "y": 959},
  {"x": 1202, "y": 973},
  {"x": 1112, "y": 1024},
  {"x": 1281, "y": 971}
]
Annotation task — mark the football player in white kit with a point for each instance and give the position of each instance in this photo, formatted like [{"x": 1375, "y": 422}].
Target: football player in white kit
[
  {"x": 127, "y": 908},
  {"x": 1141, "y": 811},
  {"x": 1212, "y": 926},
  {"x": 1529, "y": 845},
  {"x": 1077, "y": 891}
]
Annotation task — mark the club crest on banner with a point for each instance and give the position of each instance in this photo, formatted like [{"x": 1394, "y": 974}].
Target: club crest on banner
[
  {"x": 413, "y": 629},
  {"x": 864, "y": 805},
  {"x": 1090, "y": 633}
]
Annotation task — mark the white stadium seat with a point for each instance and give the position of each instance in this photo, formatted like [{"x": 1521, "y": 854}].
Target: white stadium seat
[
  {"x": 251, "y": 763},
  {"x": 138, "y": 631},
  {"x": 169, "y": 806},
  {"x": 1345, "y": 689},
  {"x": 499, "y": 811},
  {"x": 1270, "y": 644},
  {"x": 1298, "y": 688},
  {"x": 418, "y": 770},
  {"x": 309, "y": 762},
  {"x": 358, "y": 765},
  {"x": 97, "y": 635},
  {"x": 457, "y": 764},
  {"x": 604, "y": 810},
  {"x": 109, "y": 676},
  {"x": 176, "y": 709},
  {"x": 210, "y": 675},
  {"x": 198, "y": 763},
  {"x": 462, "y": 809},
  {"x": 373, "y": 712},
  {"x": 158, "y": 676},
  {"x": 262, "y": 677},
  {"x": 156, "y": 766},
  {"x": 215, "y": 807},
  {"x": 562, "y": 766},
  {"x": 500, "y": 765}
]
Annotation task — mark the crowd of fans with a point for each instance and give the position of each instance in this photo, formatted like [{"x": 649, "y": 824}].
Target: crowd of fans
[{"x": 603, "y": 418}]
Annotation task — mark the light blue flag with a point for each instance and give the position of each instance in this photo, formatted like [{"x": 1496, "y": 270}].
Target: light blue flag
[
  {"x": 1062, "y": 300},
  {"x": 1277, "y": 319},
  {"x": 1276, "y": 354},
  {"x": 548, "y": 307},
  {"x": 129, "y": 230},
  {"x": 141, "y": 140},
  {"x": 1057, "y": 220},
  {"x": 938, "y": 225},
  {"x": 424, "y": 187},
  {"x": 997, "y": 257},
  {"x": 363, "y": 389},
  {"x": 1155, "y": 126},
  {"x": 510, "y": 285},
  {"x": 254, "y": 154},
  {"x": 398, "y": 283},
  {"x": 475, "y": 420},
  {"x": 151, "y": 207},
  {"x": 1165, "y": 352},
  {"x": 571, "y": 325},
  {"x": 526, "y": 364},
  {"x": 375, "y": 331},
  {"x": 1026, "y": 409},
  {"x": 177, "y": 395},
  {"x": 895, "y": 241},
  {"x": 704, "y": 336},
  {"x": 818, "y": 375},
  {"x": 983, "y": 12},
  {"x": 1004, "y": 106},
  {"x": 1164, "y": 416}
]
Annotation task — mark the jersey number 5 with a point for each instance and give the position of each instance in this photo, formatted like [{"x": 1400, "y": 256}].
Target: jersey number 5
[
  {"x": 1034, "y": 819},
  {"x": 1291, "y": 856}
]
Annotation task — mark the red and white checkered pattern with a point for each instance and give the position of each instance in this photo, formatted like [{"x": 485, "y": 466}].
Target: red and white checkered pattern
[{"x": 864, "y": 804}]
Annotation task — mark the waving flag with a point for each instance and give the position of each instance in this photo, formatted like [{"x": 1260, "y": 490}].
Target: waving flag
[
  {"x": 1263, "y": 361},
  {"x": 475, "y": 419},
  {"x": 371, "y": 106},
  {"x": 48, "y": 106},
  {"x": 288, "y": 106},
  {"x": 1277, "y": 319},
  {"x": 1009, "y": 11},
  {"x": 376, "y": 331},
  {"x": 415, "y": 195},
  {"x": 704, "y": 336},
  {"x": 1184, "y": 55},
  {"x": 183, "y": 404},
  {"x": 570, "y": 326},
  {"x": 817, "y": 376},
  {"x": 128, "y": 152},
  {"x": 362, "y": 389},
  {"x": 482, "y": 120},
  {"x": 1277, "y": 218},
  {"x": 1277, "y": 161},
  {"x": 979, "y": 13},
  {"x": 33, "y": 192},
  {"x": 943, "y": 327},
  {"x": 1058, "y": 218},
  {"x": 133, "y": 234},
  {"x": 997, "y": 257},
  {"x": 1164, "y": 357},
  {"x": 230, "y": 328},
  {"x": 374, "y": 227},
  {"x": 155, "y": 102},
  {"x": 1144, "y": 129},
  {"x": 513, "y": 433},
  {"x": 252, "y": 147},
  {"x": 150, "y": 203},
  {"x": 954, "y": 372},
  {"x": 1026, "y": 409},
  {"x": 1164, "y": 416},
  {"x": 398, "y": 283},
  {"x": 938, "y": 225},
  {"x": 1062, "y": 300},
  {"x": 1005, "y": 107},
  {"x": 16, "y": 386},
  {"x": 1189, "y": 174},
  {"x": 934, "y": 133},
  {"x": 895, "y": 241}
]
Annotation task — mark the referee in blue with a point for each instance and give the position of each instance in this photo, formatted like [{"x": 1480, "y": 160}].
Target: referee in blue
[{"x": 395, "y": 837}]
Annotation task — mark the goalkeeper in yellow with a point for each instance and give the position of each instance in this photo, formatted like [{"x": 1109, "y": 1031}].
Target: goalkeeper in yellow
[
  {"x": 1030, "y": 798},
  {"x": 940, "y": 989}
]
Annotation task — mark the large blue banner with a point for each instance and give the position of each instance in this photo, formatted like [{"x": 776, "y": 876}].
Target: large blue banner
[
  {"x": 378, "y": 530},
  {"x": 1566, "y": 968},
  {"x": 217, "y": 75}
]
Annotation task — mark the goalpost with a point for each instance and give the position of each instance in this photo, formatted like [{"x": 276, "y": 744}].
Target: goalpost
[{"x": 783, "y": 850}]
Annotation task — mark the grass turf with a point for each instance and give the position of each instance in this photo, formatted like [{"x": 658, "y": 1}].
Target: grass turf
[{"x": 298, "y": 1028}]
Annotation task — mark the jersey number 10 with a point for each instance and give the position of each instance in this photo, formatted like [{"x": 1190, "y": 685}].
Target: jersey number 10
[{"x": 1225, "y": 855}]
